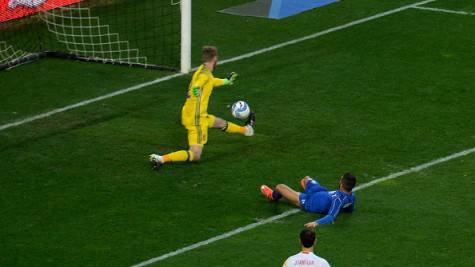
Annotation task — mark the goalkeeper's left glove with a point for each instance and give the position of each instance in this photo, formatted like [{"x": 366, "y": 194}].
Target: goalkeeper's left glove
[
  {"x": 230, "y": 79},
  {"x": 196, "y": 91}
]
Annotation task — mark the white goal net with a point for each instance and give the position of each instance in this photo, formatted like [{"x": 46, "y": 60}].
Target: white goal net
[
  {"x": 8, "y": 53},
  {"x": 84, "y": 35},
  {"x": 154, "y": 34}
]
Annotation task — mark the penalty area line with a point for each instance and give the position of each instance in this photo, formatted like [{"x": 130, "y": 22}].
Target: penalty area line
[
  {"x": 442, "y": 10},
  {"x": 233, "y": 59},
  {"x": 294, "y": 211}
]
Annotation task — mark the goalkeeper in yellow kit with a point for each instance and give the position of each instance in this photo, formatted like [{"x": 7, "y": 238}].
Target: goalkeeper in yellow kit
[{"x": 195, "y": 117}]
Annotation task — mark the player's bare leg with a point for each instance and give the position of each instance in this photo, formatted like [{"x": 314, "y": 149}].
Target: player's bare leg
[
  {"x": 230, "y": 127},
  {"x": 281, "y": 190},
  {"x": 196, "y": 150},
  {"x": 304, "y": 182},
  {"x": 289, "y": 194}
]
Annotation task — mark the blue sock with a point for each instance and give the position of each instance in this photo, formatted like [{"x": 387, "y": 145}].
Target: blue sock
[{"x": 276, "y": 195}]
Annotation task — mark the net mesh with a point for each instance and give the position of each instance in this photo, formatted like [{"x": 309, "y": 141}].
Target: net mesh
[
  {"x": 8, "y": 53},
  {"x": 145, "y": 32},
  {"x": 84, "y": 35}
]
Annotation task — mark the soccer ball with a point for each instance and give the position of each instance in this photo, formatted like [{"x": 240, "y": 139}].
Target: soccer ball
[{"x": 240, "y": 110}]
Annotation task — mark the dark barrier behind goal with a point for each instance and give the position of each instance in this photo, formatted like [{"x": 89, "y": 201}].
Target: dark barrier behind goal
[{"x": 131, "y": 32}]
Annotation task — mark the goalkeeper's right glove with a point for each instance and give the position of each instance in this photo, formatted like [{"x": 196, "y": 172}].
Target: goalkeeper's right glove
[{"x": 230, "y": 79}]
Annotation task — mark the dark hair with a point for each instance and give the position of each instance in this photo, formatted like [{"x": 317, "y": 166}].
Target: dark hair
[
  {"x": 208, "y": 53},
  {"x": 348, "y": 181},
  {"x": 307, "y": 238}
]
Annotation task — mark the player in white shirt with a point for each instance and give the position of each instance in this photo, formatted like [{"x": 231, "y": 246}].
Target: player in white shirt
[{"x": 306, "y": 257}]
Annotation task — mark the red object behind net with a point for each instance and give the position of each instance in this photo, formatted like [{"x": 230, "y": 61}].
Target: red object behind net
[{"x": 13, "y": 9}]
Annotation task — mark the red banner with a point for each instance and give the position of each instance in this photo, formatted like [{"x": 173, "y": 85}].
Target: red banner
[{"x": 12, "y": 9}]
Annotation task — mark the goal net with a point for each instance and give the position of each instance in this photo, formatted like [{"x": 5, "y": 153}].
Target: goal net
[{"x": 144, "y": 33}]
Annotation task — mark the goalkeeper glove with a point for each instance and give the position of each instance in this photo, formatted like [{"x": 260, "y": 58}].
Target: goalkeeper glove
[
  {"x": 196, "y": 91},
  {"x": 230, "y": 79}
]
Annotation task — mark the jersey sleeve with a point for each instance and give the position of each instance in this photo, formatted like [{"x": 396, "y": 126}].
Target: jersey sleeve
[
  {"x": 332, "y": 213},
  {"x": 325, "y": 263},
  {"x": 285, "y": 263},
  {"x": 218, "y": 82},
  {"x": 202, "y": 79}
]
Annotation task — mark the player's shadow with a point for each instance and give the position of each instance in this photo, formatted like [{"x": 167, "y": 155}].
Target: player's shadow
[{"x": 61, "y": 124}]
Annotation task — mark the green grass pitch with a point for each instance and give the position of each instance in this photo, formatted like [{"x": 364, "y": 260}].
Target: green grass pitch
[{"x": 76, "y": 188}]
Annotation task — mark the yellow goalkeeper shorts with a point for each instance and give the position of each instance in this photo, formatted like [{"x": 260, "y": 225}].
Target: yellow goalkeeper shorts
[{"x": 198, "y": 134}]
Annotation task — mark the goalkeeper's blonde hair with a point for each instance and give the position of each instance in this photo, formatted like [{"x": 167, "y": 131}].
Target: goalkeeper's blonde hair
[{"x": 208, "y": 53}]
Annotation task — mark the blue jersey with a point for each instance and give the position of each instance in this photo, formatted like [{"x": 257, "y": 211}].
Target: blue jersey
[{"x": 319, "y": 200}]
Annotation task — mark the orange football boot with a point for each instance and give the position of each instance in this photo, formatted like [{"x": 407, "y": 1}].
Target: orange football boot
[{"x": 267, "y": 192}]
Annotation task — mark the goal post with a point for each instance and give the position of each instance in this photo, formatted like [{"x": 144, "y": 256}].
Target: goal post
[
  {"x": 185, "y": 62},
  {"x": 145, "y": 33}
]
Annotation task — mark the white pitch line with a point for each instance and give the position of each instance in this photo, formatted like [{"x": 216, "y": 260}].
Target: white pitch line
[
  {"x": 244, "y": 56},
  {"x": 217, "y": 238},
  {"x": 86, "y": 102},
  {"x": 445, "y": 10},
  {"x": 294, "y": 211},
  {"x": 416, "y": 168},
  {"x": 334, "y": 29}
]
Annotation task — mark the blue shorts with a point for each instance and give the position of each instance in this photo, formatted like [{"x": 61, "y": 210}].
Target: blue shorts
[{"x": 311, "y": 188}]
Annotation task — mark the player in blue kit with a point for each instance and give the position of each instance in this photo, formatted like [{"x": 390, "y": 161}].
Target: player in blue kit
[{"x": 316, "y": 198}]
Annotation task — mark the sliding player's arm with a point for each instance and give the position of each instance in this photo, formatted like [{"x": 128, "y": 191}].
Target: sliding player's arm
[
  {"x": 196, "y": 88},
  {"x": 227, "y": 81},
  {"x": 330, "y": 217},
  {"x": 332, "y": 213}
]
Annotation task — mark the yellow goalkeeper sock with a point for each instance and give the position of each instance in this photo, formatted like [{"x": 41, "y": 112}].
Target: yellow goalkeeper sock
[
  {"x": 230, "y": 127},
  {"x": 178, "y": 156}
]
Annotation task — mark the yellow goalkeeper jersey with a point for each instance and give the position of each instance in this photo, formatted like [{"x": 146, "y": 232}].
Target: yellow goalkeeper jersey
[{"x": 195, "y": 109}]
